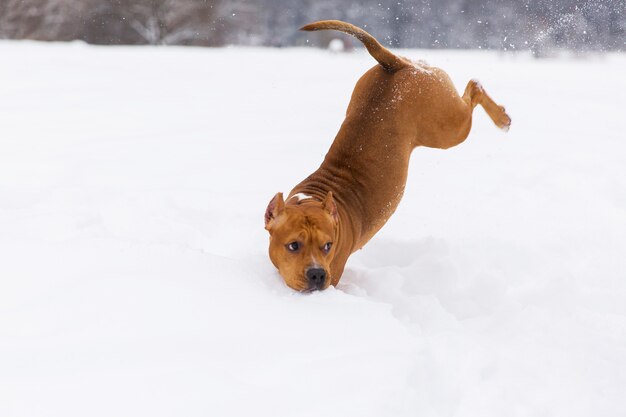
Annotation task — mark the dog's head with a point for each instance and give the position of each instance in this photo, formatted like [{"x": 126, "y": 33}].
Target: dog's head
[{"x": 302, "y": 237}]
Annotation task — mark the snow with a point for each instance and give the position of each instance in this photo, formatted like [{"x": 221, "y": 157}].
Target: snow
[{"x": 133, "y": 260}]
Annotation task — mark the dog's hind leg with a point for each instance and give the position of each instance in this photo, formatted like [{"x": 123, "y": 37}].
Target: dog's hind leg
[{"x": 475, "y": 94}]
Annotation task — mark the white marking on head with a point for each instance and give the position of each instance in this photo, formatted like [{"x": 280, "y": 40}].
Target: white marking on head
[{"x": 300, "y": 196}]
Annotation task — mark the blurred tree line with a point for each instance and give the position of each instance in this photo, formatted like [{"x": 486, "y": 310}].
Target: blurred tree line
[{"x": 537, "y": 25}]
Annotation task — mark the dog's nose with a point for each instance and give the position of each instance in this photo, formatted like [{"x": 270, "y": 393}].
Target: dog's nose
[{"x": 316, "y": 277}]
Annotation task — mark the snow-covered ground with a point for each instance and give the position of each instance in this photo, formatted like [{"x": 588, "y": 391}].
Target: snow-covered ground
[{"x": 134, "y": 278}]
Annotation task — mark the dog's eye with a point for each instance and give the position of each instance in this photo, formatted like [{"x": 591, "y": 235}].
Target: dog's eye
[
  {"x": 327, "y": 247},
  {"x": 293, "y": 247}
]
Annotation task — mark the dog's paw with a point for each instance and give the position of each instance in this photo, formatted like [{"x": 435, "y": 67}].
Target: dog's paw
[{"x": 504, "y": 120}]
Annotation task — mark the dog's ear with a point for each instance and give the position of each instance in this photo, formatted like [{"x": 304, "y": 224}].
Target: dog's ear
[
  {"x": 330, "y": 206},
  {"x": 273, "y": 210}
]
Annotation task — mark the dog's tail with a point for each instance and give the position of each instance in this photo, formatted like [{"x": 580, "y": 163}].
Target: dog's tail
[{"x": 384, "y": 56}]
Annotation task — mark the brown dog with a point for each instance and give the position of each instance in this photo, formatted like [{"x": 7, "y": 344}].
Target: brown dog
[{"x": 395, "y": 107}]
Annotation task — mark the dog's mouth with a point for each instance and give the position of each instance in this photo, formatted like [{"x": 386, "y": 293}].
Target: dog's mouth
[
  {"x": 300, "y": 285},
  {"x": 311, "y": 288},
  {"x": 306, "y": 286}
]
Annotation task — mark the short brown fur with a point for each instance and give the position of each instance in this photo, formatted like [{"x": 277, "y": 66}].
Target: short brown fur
[{"x": 395, "y": 107}]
